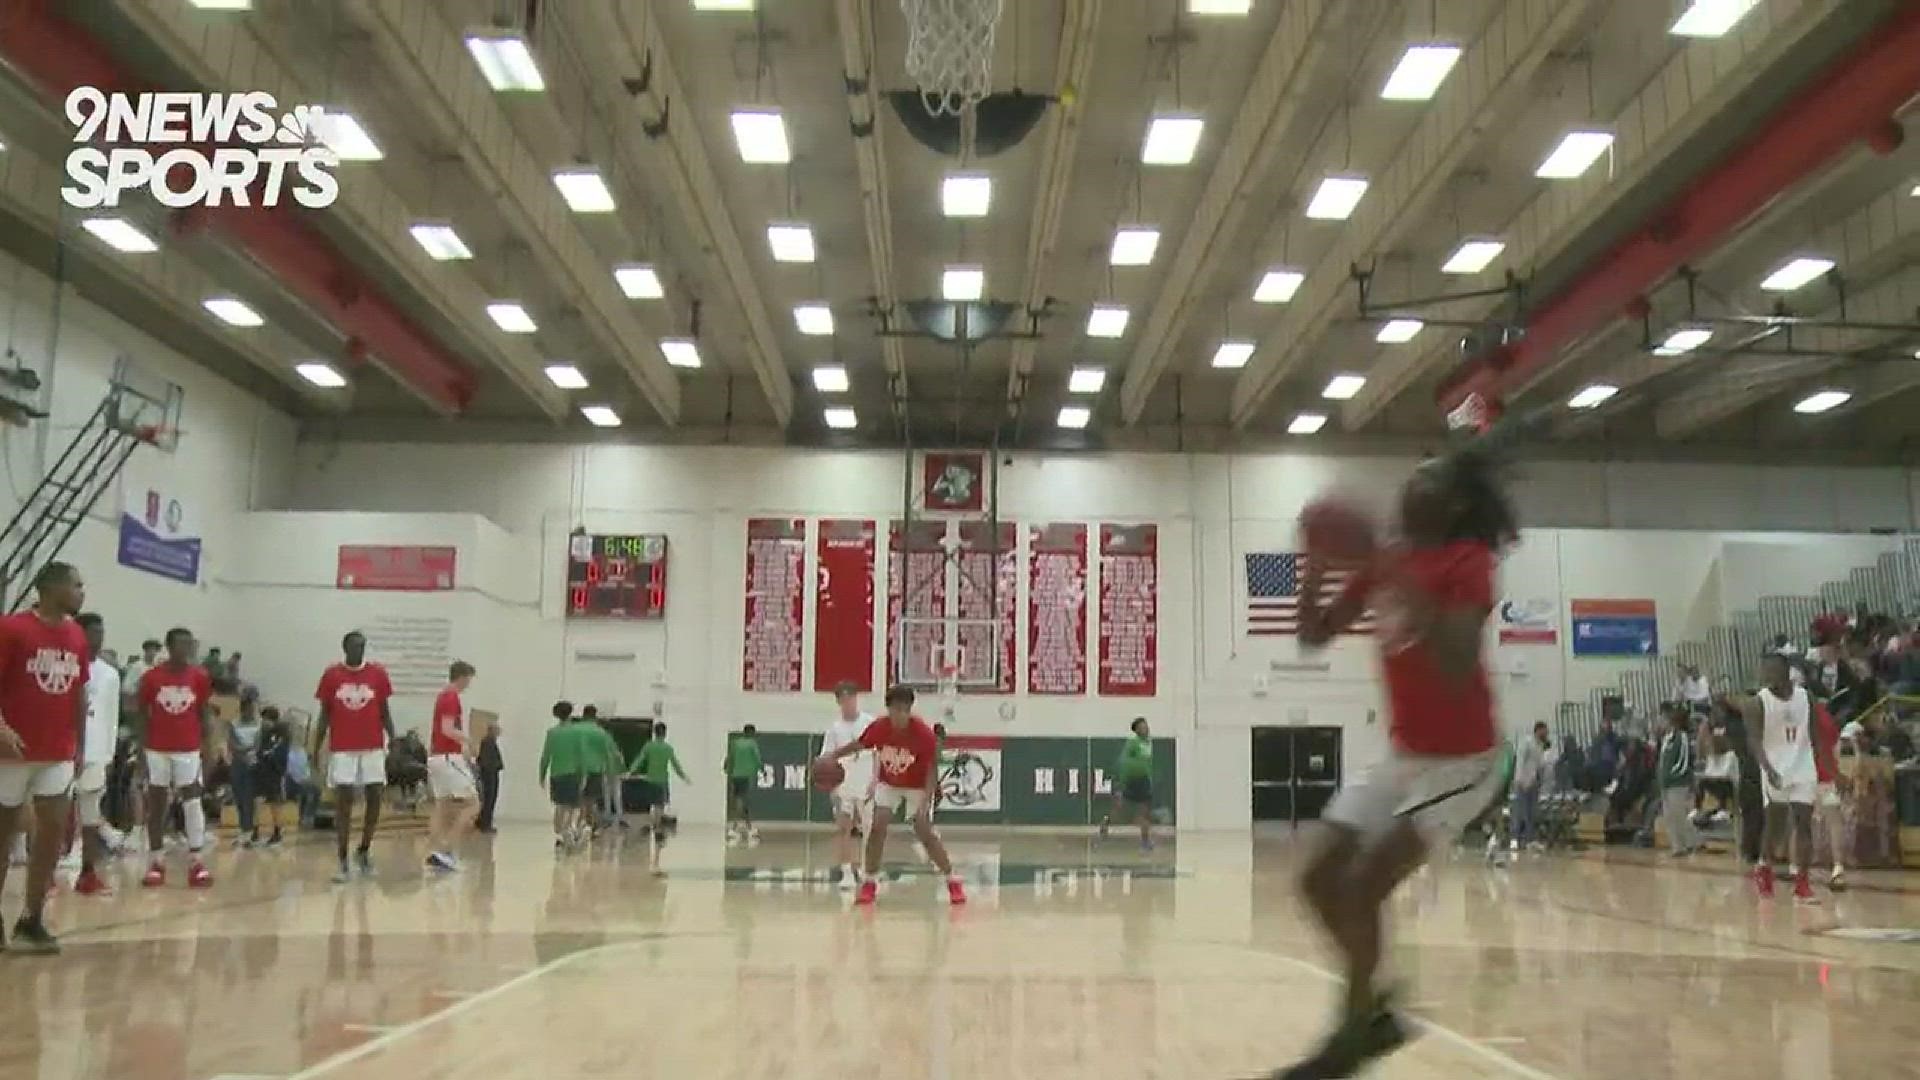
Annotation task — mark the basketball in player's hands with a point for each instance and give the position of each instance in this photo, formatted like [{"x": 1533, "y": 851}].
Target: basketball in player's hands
[
  {"x": 1337, "y": 530},
  {"x": 828, "y": 774}
]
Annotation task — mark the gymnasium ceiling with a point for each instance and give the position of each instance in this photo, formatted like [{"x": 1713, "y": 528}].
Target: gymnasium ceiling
[{"x": 1289, "y": 92}]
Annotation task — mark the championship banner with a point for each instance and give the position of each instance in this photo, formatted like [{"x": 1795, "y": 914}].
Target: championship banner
[
  {"x": 970, "y": 775},
  {"x": 395, "y": 567},
  {"x": 1057, "y": 609},
  {"x": 775, "y": 606},
  {"x": 158, "y": 536},
  {"x": 989, "y": 589},
  {"x": 1129, "y": 610},
  {"x": 916, "y": 557},
  {"x": 843, "y": 605}
]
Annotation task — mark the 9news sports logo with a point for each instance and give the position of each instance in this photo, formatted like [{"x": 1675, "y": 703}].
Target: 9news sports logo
[{"x": 197, "y": 161}]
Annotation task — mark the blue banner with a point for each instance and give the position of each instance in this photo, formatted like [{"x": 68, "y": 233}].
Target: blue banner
[
  {"x": 1615, "y": 628},
  {"x": 156, "y": 537}
]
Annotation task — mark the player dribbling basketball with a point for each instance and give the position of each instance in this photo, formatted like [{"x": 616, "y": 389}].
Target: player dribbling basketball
[
  {"x": 853, "y": 798},
  {"x": 904, "y": 753}
]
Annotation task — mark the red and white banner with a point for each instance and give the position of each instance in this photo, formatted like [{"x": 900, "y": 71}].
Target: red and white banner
[
  {"x": 916, "y": 588},
  {"x": 1129, "y": 610},
  {"x": 843, "y": 605},
  {"x": 395, "y": 567},
  {"x": 1057, "y": 609},
  {"x": 989, "y": 589},
  {"x": 776, "y": 605}
]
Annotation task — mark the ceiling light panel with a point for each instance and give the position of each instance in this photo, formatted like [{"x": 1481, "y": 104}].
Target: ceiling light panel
[
  {"x": 1086, "y": 380},
  {"x": 841, "y": 419},
  {"x": 966, "y": 195},
  {"x": 566, "y": 377},
  {"x": 1591, "y": 397},
  {"x": 233, "y": 312},
  {"x": 342, "y": 134},
  {"x": 761, "y": 136},
  {"x": 1472, "y": 256},
  {"x": 1421, "y": 70},
  {"x": 1399, "y": 331},
  {"x": 1684, "y": 340},
  {"x": 1343, "y": 387},
  {"x": 1796, "y": 272},
  {"x": 1277, "y": 286},
  {"x": 813, "y": 319},
  {"x": 120, "y": 235},
  {"x": 831, "y": 379},
  {"x": 1306, "y": 423},
  {"x": 1134, "y": 245},
  {"x": 1711, "y": 18},
  {"x": 1172, "y": 140},
  {"x": 639, "y": 282},
  {"x": 791, "y": 243},
  {"x": 1107, "y": 321},
  {"x": 1074, "y": 417},
  {"x": 1821, "y": 402},
  {"x": 1232, "y": 354},
  {"x": 1336, "y": 197},
  {"x": 600, "y": 415},
  {"x": 440, "y": 241},
  {"x": 680, "y": 352},
  {"x": 506, "y": 60},
  {"x": 508, "y": 315},
  {"x": 962, "y": 283},
  {"x": 585, "y": 190},
  {"x": 321, "y": 375},
  {"x": 1574, "y": 155}
]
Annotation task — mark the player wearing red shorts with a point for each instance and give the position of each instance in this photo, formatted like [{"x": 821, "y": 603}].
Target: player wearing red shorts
[
  {"x": 1432, "y": 594},
  {"x": 905, "y": 753}
]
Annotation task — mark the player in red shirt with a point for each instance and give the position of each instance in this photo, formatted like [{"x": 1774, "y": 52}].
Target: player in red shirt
[
  {"x": 355, "y": 726},
  {"x": 1431, "y": 593},
  {"x": 449, "y": 771},
  {"x": 43, "y": 702},
  {"x": 905, "y": 755},
  {"x": 174, "y": 733}
]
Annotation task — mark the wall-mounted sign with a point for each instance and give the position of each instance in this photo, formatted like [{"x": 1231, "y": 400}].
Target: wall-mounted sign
[
  {"x": 395, "y": 567},
  {"x": 1533, "y": 621},
  {"x": 616, "y": 577},
  {"x": 954, "y": 482},
  {"x": 1615, "y": 628}
]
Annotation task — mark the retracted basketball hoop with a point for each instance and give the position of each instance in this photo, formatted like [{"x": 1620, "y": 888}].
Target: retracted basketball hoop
[
  {"x": 950, "y": 51},
  {"x": 1475, "y": 413}
]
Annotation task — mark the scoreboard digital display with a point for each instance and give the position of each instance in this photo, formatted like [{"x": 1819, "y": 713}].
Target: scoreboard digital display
[{"x": 616, "y": 577}]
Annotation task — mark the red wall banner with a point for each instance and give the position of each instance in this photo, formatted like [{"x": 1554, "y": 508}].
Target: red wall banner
[
  {"x": 776, "y": 605},
  {"x": 1129, "y": 610},
  {"x": 398, "y": 568},
  {"x": 989, "y": 589},
  {"x": 843, "y": 605},
  {"x": 916, "y": 562},
  {"x": 1057, "y": 609}
]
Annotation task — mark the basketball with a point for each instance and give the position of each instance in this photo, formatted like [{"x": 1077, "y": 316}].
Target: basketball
[
  {"x": 827, "y": 775},
  {"x": 1337, "y": 529}
]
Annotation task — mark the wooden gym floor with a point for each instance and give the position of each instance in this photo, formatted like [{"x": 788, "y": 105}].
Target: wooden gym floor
[{"x": 1073, "y": 960}]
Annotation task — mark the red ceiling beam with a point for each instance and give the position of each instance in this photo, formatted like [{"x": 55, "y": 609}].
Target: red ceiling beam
[
  {"x": 59, "y": 56},
  {"x": 1853, "y": 102}
]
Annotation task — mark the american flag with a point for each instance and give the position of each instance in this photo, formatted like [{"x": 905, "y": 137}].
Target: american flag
[{"x": 1273, "y": 594}]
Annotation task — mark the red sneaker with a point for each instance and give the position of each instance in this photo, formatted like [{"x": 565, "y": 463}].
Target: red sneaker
[
  {"x": 956, "y": 892},
  {"x": 869, "y": 891},
  {"x": 91, "y": 884},
  {"x": 156, "y": 876},
  {"x": 1803, "y": 889},
  {"x": 1763, "y": 881},
  {"x": 198, "y": 876}
]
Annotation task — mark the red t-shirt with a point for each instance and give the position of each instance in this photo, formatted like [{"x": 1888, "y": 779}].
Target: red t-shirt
[
  {"x": 448, "y": 713},
  {"x": 43, "y": 678},
  {"x": 173, "y": 700},
  {"x": 350, "y": 698},
  {"x": 1826, "y": 744},
  {"x": 1430, "y": 711},
  {"x": 904, "y": 758}
]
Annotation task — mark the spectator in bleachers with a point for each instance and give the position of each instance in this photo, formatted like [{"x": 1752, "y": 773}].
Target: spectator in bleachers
[
  {"x": 1675, "y": 779},
  {"x": 1693, "y": 689},
  {"x": 1719, "y": 771},
  {"x": 1605, "y": 754},
  {"x": 1532, "y": 762}
]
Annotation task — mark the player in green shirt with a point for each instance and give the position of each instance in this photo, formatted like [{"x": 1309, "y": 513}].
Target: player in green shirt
[
  {"x": 652, "y": 764},
  {"x": 604, "y": 765},
  {"x": 742, "y": 768},
  {"x": 1133, "y": 782},
  {"x": 566, "y": 756}
]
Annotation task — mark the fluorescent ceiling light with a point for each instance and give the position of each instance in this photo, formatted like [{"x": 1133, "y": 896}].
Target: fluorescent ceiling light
[
  {"x": 761, "y": 136},
  {"x": 963, "y": 283},
  {"x": 342, "y": 134},
  {"x": 1472, "y": 256},
  {"x": 600, "y": 415},
  {"x": 1821, "y": 401},
  {"x": 1795, "y": 273},
  {"x": 585, "y": 190},
  {"x": 1421, "y": 70},
  {"x": 1172, "y": 140},
  {"x": 566, "y": 377},
  {"x": 966, "y": 195},
  {"x": 1233, "y": 354},
  {"x": 1684, "y": 340},
  {"x": 1277, "y": 286},
  {"x": 639, "y": 281},
  {"x": 440, "y": 241},
  {"x": 831, "y": 379},
  {"x": 222, "y": 5},
  {"x": 841, "y": 418},
  {"x": 233, "y": 312},
  {"x": 1219, "y": 7},
  {"x": 1711, "y": 18},
  {"x": 508, "y": 315},
  {"x": 505, "y": 59},
  {"x": 813, "y": 319},
  {"x": 790, "y": 243},
  {"x": 1343, "y": 387},
  {"x": 723, "y": 5},
  {"x": 321, "y": 375},
  {"x": 1107, "y": 321},
  {"x": 1074, "y": 417},
  {"x": 119, "y": 235},
  {"x": 680, "y": 352},
  {"x": 1336, "y": 197},
  {"x": 1592, "y": 396},
  {"x": 1307, "y": 423},
  {"x": 1086, "y": 380},
  {"x": 1134, "y": 245},
  {"x": 1399, "y": 331},
  {"x": 1577, "y": 152},
  {"x": 1915, "y": 192}
]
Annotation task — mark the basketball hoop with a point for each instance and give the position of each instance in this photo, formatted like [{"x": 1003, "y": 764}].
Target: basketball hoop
[
  {"x": 948, "y": 685},
  {"x": 950, "y": 51}
]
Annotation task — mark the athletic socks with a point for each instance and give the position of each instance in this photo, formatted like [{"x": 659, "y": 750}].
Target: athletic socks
[{"x": 195, "y": 813}]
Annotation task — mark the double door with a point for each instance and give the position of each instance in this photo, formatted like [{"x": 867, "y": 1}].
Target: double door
[{"x": 1296, "y": 770}]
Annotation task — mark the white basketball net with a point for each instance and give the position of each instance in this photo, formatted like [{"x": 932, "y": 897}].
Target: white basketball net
[{"x": 950, "y": 51}]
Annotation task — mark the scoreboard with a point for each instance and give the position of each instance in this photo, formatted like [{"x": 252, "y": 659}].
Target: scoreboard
[{"x": 616, "y": 576}]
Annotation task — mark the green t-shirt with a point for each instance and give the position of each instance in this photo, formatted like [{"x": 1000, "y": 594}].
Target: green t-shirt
[
  {"x": 743, "y": 757},
  {"x": 1136, "y": 759},
  {"x": 655, "y": 759},
  {"x": 607, "y": 756},
  {"x": 569, "y": 750}
]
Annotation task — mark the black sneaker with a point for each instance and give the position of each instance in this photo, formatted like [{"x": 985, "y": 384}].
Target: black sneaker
[
  {"x": 1351, "y": 1047},
  {"x": 31, "y": 936},
  {"x": 365, "y": 859}
]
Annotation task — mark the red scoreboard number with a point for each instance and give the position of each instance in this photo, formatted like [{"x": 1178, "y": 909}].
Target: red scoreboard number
[{"x": 616, "y": 577}]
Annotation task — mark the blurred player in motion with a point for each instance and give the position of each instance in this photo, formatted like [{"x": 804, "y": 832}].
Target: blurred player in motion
[
  {"x": 904, "y": 752},
  {"x": 853, "y": 798},
  {"x": 1432, "y": 593},
  {"x": 741, "y": 766},
  {"x": 103, "y": 731},
  {"x": 1133, "y": 782}
]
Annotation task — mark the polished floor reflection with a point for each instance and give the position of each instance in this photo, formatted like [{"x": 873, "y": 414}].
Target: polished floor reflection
[{"x": 1073, "y": 960}]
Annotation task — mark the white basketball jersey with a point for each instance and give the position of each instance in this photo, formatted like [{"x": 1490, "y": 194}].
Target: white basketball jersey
[
  {"x": 859, "y": 766},
  {"x": 1787, "y": 736}
]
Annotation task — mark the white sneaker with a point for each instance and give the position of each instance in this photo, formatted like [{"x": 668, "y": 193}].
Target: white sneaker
[
  {"x": 753, "y": 837},
  {"x": 71, "y": 860}
]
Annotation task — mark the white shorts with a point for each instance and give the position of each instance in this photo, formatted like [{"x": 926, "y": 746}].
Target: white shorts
[
  {"x": 88, "y": 791},
  {"x": 1792, "y": 789},
  {"x": 93, "y": 777},
  {"x": 1439, "y": 795},
  {"x": 855, "y": 804},
  {"x": 450, "y": 777},
  {"x": 21, "y": 780},
  {"x": 357, "y": 768},
  {"x": 173, "y": 771},
  {"x": 903, "y": 802}
]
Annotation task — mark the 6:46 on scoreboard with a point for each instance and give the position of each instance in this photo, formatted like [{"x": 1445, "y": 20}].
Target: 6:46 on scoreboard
[{"x": 613, "y": 576}]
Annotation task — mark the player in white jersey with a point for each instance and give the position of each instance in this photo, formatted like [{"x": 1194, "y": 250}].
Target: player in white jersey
[
  {"x": 853, "y": 799},
  {"x": 103, "y": 731},
  {"x": 1779, "y": 721}
]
